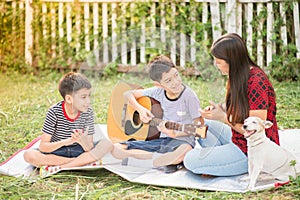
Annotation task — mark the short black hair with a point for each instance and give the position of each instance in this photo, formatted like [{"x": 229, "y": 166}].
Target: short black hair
[
  {"x": 72, "y": 82},
  {"x": 158, "y": 66}
]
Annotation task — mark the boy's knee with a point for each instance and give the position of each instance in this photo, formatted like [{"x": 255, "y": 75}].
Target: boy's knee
[
  {"x": 103, "y": 147},
  {"x": 28, "y": 157},
  {"x": 107, "y": 144}
]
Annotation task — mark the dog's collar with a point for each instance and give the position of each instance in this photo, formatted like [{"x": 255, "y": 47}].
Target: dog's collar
[{"x": 256, "y": 142}]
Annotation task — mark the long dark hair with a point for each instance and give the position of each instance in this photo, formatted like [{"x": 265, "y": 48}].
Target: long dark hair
[{"x": 232, "y": 49}]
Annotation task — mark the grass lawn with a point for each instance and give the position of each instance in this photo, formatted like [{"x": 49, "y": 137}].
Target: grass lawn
[{"x": 24, "y": 101}]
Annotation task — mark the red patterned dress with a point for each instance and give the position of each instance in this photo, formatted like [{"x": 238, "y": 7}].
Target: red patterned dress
[{"x": 261, "y": 96}]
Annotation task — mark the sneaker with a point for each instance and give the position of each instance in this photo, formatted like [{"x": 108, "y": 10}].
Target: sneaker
[
  {"x": 172, "y": 168},
  {"x": 47, "y": 170}
]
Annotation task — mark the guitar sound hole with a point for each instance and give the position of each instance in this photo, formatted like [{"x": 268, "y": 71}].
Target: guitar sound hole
[{"x": 136, "y": 118}]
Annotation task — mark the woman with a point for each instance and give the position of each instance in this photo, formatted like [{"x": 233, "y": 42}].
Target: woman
[{"x": 249, "y": 93}]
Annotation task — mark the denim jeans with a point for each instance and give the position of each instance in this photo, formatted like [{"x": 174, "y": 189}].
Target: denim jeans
[
  {"x": 160, "y": 145},
  {"x": 68, "y": 151},
  {"x": 218, "y": 155}
]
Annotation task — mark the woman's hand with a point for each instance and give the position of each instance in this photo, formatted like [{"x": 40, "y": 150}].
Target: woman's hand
[{"x": 214, "y": 112}]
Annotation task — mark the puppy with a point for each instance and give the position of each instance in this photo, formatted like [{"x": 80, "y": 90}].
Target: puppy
[{"x": 265, "y": 155}]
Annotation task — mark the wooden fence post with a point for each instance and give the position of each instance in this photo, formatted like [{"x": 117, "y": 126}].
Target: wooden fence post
[
  {"x": 231, "y": 13},
  {"x": 270, "y": 27},
  {"x": 133, "y": 58},
  {"x": 105, "y": 57},
  {"x": 56, "y": 14},
  {"x": 215, "y": 19},
  {"x": 28, "y": 31},
  {"x": 249, "y": 29},
  {"x": 96, "y": 32},
  {"x": 297, "y": 27}
]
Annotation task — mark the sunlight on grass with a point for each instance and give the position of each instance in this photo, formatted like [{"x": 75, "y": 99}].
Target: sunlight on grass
[{"x": 24, "y": 101}]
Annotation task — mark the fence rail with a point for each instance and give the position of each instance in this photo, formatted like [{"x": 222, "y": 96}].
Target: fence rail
[{"x": 110, "y": 30}]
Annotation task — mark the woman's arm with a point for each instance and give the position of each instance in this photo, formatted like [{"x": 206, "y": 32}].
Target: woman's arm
[
  {"x": 257, "y": 113},
  {"x": 217, "y": 112}
]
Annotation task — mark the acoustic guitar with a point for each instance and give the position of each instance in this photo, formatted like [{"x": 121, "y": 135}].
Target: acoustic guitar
[{"x": 123, "y": 122}]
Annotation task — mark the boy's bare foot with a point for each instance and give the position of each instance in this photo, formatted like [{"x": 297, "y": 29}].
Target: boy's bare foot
[
  {"x": 173, "y": 157},
  {"x": 119, "y": 152}
]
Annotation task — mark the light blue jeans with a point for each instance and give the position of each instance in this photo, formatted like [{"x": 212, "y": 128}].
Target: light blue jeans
[{"x": 219, "y": 156}]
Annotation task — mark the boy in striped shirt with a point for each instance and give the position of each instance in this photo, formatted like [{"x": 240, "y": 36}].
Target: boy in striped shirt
[{"x": 69, "y": 126}]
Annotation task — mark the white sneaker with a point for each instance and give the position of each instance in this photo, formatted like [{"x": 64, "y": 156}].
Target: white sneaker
[{"x": 47, "y": 170}]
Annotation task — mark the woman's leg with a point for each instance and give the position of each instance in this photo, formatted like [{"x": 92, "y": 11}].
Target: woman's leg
[
  {"x": 218, "y": 155},
  {"x": 224, "y": 160}
]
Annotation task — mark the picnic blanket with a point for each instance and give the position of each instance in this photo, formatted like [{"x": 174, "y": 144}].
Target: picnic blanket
[{"x": 141, "y": 171}]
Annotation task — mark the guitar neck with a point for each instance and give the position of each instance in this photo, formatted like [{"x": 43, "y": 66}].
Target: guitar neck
[
  {"x": 169, "y": 125},
  {"x": 191, "y": 129}
]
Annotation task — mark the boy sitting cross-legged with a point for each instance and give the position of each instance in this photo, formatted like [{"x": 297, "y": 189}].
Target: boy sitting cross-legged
[
  {"x": 179, "y": 104},
  {"x": 67, "y": 139}
]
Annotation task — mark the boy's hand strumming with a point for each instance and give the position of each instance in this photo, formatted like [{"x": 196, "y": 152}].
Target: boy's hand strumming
[{"x": 145, "y": 115}]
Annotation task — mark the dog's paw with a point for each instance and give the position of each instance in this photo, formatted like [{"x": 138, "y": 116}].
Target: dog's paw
[{"x": 251, "y": 186}]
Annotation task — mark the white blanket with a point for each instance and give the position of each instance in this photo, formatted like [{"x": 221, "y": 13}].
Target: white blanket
[{"x": 140, "y": 171}]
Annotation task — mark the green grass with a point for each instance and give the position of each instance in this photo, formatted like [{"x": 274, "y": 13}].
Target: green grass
[{"x": 25, "y": 99}]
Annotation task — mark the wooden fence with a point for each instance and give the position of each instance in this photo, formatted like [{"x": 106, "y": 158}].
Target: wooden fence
[{"x": 104, "y": 27}]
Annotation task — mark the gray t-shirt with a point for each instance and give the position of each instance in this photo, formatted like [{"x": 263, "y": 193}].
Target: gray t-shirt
[{"x": 184, "y": 109}]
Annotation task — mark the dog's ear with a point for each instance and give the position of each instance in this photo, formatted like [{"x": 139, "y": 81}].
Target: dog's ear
[{"x": 267, "y": 124}]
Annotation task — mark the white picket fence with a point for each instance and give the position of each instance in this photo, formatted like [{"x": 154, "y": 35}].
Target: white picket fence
[{"x": 224, "y": 15}]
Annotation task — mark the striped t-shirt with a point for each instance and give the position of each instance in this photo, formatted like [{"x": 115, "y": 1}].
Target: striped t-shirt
[{"x": 60, "y": 126}]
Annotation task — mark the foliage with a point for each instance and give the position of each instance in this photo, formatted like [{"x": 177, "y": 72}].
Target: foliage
[
  {"x": 64, "y": 52},
  {"x": 287, "y": 97},
  {"x": 286, "y": 66}
]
